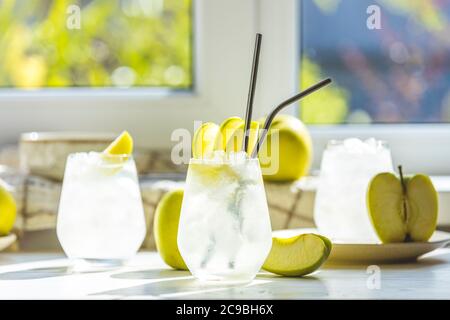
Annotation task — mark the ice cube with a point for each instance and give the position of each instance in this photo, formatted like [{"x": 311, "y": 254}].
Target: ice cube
[
  {"x": 354, "y": 145},
  {"x": 371, "y": 145},
  {"x": 219, "y": 156},
  {"x": 237, "y": 157}
]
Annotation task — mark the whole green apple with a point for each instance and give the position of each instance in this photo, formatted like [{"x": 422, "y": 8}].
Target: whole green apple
[
  {"x": 7, "y": 211},
  {"x": 295, "y": 151}
]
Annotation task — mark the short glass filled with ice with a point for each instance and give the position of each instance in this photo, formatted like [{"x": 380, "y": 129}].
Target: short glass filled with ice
[
  {"x": 101, "y": 217},
  {"x": 224, "y": 232},
  {"x": 340, "y": 206}
]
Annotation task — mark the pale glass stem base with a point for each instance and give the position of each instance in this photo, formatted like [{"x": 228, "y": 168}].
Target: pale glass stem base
[
  {"x": 95, "y": 265},
  {"x": 223, "y": 278}
]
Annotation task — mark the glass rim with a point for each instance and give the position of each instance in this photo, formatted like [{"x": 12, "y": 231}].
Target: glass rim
[
  {"x": 102, "y": 155},
  {"x": 212, "y": 161},
  {"x": 339, "y": 142}
]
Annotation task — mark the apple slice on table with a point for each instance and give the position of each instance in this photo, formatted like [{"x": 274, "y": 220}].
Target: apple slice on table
[
  {"x": 402, "y": 208},
  {"x": 298, "y": 255}
]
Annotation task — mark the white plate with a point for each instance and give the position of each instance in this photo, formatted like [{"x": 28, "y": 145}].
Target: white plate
[
  {"x": 6, "y": 241},
  {"x": 376, "y": 253}
]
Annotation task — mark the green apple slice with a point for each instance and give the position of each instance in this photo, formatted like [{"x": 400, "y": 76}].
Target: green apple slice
[
  {"x": 402, "y": 208},
  {"x": 327, "y": 242},
  {"x": 297, "y": 256},
  {"x": 204, "y": 139},
  {"x": 231, "y": 135}
]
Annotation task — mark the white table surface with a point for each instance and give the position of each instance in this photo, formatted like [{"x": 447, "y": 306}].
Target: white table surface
[{"x": 46, "y": 276}]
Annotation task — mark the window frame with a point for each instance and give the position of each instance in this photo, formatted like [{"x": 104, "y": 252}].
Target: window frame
[
  {"x": 417, "y": 147},
  {"x": 223, "y": 42},
  {"x": 219, "y": 89}
]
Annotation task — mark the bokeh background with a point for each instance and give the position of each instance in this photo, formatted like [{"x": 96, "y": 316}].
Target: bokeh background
[
  {"x": 398, "y": 74},
  {"x": 120, "y": 43}
]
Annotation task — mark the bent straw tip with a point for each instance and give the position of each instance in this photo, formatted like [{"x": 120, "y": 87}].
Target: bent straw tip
[{"x": 284, "y": 104}]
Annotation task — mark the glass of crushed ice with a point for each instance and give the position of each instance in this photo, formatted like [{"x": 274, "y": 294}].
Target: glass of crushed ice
[
  {"x": 101, "y": 218},
  {"x": 224, "y": 232},
  {"x": 340, "y": 207}
]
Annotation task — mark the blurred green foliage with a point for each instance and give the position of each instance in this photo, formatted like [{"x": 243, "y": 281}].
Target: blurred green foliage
[
  {"x": 329, "y": 105},
  {"x": 119, "y": 43}
]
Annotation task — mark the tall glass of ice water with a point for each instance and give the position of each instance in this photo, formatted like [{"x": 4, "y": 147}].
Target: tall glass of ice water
[
  {"x": 340, "y": 207},
  {"x": 224, "y": 232},
  {"x": 101, "y": 217}
]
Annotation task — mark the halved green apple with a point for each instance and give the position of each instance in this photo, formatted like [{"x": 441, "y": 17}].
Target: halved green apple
[
  {"x": 297, "y": 256},
  {"x": 402, "y": 208}
]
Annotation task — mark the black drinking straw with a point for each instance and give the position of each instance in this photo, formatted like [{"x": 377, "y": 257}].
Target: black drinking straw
[
  {"x": 251, "y": 90},
  {"x": 282, "y": 105}
]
